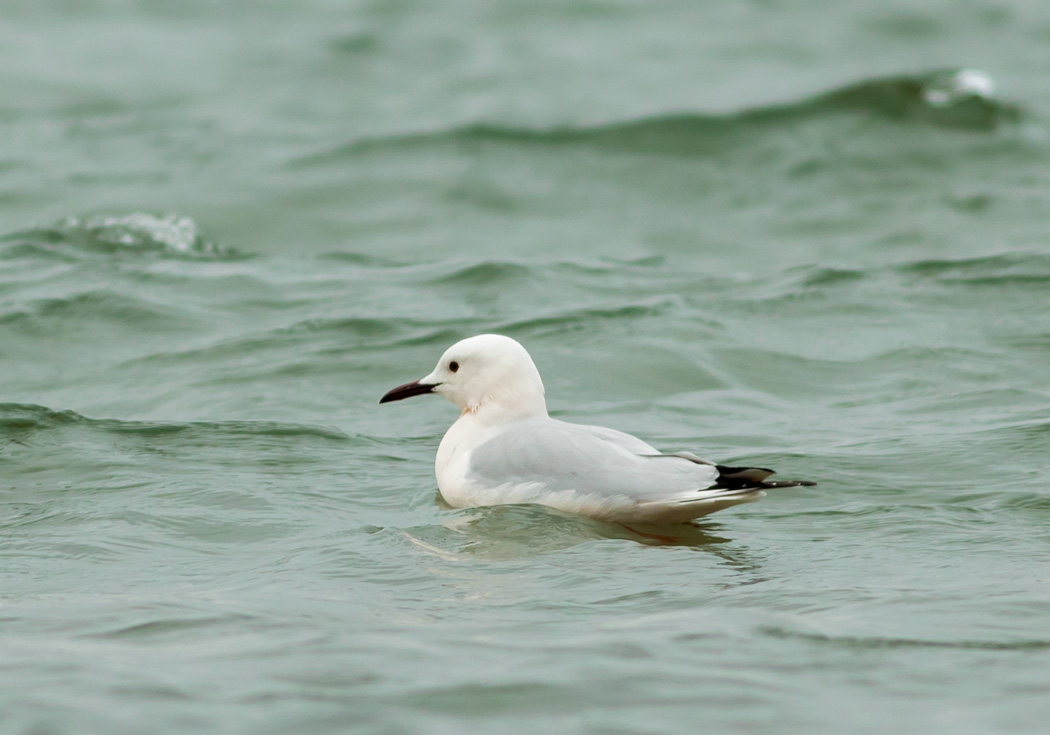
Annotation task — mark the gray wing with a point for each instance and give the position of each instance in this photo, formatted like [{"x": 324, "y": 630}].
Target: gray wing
[{"x": 590, "y": 460}]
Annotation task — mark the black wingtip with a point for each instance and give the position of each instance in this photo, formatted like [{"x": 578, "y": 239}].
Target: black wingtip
[
  {"x": 743, "y": 474},
  {"x": 753, "y": 478}
]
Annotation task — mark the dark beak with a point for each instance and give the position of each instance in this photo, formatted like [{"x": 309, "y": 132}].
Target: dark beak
[{"x": 415, "y": 388}]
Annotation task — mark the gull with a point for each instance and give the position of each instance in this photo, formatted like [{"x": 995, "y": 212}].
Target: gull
[{"x": 505, "y": 449}]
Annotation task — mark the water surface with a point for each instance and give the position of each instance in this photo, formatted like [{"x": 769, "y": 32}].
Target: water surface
[{"x": 801, "y": 238}]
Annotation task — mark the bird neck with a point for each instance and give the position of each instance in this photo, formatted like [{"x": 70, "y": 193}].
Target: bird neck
[{"x": 491, "y": 411}]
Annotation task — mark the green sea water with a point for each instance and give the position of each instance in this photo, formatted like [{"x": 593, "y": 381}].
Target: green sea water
[{"x": 806, "y": 236}]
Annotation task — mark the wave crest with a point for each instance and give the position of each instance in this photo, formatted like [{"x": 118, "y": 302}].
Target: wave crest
[
  {"x": 950, "y": 98},
  {"x": 139, "y": 232}
]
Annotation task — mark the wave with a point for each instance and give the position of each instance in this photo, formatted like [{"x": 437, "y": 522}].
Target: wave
[
  {"x": 952, "y": 98},
  {"x": 586, "y": 317},
  {"x": 62, "y": 313},
  {"x": 18, "y": 420},
  {"x": 998, "y": 269},
  {"x": 139, "y": 232},
  {"x": 331, "y": 336},
  {"x": 488, "y": 272},
  {"x": 870, "y": 642},
  {"x": 1022, "y": 269}
]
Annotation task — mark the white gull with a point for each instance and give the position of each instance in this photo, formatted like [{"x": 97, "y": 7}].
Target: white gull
[{"x": 505, "y": 449}]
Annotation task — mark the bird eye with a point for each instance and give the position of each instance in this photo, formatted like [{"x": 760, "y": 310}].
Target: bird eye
[{"x": 453, "y": 366}]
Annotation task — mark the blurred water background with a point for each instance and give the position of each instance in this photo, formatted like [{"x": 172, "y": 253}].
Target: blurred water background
[{"x": 807, "y": 236}]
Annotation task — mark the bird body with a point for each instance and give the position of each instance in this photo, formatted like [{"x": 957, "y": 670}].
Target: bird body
[{"x": 506, "y": 449}]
